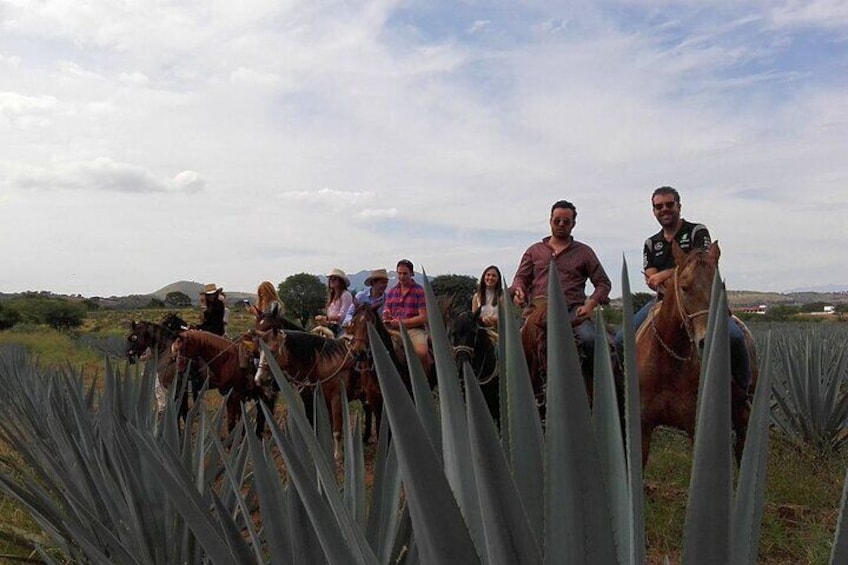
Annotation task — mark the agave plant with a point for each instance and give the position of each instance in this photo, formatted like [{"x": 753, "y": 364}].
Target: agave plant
[
  {"x": 810, "y": 397},
  {"x": 449, "y": 487}
]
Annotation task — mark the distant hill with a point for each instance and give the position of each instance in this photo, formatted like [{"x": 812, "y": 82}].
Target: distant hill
[{"x": 192, "y": 289}]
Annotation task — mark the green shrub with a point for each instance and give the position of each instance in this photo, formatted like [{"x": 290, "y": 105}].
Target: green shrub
[{"x": 8, "y": 317}]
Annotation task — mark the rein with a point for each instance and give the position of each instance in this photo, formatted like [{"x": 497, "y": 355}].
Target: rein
[
  {"x": 301, "y": 384},
  {"x": 457, "y": 349},
  {"x": 685, "y": 319}
]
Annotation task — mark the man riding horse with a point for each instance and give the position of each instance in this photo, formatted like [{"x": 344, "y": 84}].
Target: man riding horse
[
  {"x": 659, "y": 266},
  {"x": 575, "y": 263}
]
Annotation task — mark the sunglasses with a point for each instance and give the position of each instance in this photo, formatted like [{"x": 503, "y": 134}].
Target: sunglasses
[
  {"x": 667, "y": 205},
  {"x": 561, "y": 221}
]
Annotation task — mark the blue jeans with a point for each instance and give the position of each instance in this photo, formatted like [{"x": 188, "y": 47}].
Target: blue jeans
[{"x": 740, "y": 365}]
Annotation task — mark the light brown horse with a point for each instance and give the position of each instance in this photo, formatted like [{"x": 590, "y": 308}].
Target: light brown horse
[
  {"x": 668, "y": 351},
  {"x": 221, "y": 364},
  {"x": 309, "y": 360}
]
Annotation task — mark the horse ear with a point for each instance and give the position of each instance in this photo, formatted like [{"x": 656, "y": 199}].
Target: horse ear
[{"x": 714, "y": 251}]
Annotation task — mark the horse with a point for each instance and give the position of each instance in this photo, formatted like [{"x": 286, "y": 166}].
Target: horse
[
  {"x": 309, "y": 360},
  {"x": 144, "y": 339},
  {"x": 472, "y": 343},
  {"x": 669, "y": 345},
  {"x": 363, "y": 315},
  {"x": 534, "y": 341},
  {"x": 222, "y": 364}
]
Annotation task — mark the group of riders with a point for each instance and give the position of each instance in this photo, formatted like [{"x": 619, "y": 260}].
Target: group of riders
[{"x": 559, "y": 254}]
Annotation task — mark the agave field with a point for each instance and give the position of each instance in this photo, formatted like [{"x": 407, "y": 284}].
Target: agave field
[{"x": 90, "y": 474}]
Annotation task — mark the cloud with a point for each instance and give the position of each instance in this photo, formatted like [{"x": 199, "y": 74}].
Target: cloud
[
  {"x": 100, "y": 174},
  {"x": 378, "y": 213},
  {"x": 327, "y": 196}
]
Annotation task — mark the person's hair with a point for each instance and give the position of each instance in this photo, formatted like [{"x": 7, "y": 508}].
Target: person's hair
[
  {"x": 265, "y": 295},
  {"x": 564, "y": 204},
  {"x": 331, "y": 292},
  {"x": 666, "y": 190},
  {"x": 406, "y": 263},
  {"x": 481, "y": 287}
]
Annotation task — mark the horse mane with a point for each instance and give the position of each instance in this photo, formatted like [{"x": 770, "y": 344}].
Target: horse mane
[
  {"x": 204, "y": 338},
  {"x": 305, "y": 346}
]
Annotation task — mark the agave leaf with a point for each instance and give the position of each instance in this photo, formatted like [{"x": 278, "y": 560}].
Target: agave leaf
[
  {"x": 271, "y": 500},
  {"x": 424, "y": 402},
  {"x": 507, "y": 530},
  {"x": 707, "y": 531},
  {"x": 321, "y": 422},
  {"x": 456, "y": 450},
  {"x": 578, "y": 528},
  {"x": 750, "y": 489},
  {"x": 384, "y": 517},
  {"x": 504, "y": 310},
  {"x": 326, "y": 475},
  {"x": 324, "y": 520},
  {"x": 306, "y": 548},
  {"x": 440, "y": 532},
  {"x": 607, "y": 423},
  {"x": 354, "y": 465},
  {"x": 521, "y": 425},
  {"x": 633, "y": 430},
  {"x": 839, "y": 553},
  {"x": 178, "y": 486},
  {"x": 232, "y": 535}
]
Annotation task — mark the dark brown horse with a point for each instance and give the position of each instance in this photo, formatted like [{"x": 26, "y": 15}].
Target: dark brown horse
[
  {"x": 668, "y": 352},
  {"x": 222, "y": 365},
  {"x": 534, "y": 340},
  {"x": 309, "y": 360},
  {"x": 473, "y": 343},
  {"x": 148, "y": 339}
]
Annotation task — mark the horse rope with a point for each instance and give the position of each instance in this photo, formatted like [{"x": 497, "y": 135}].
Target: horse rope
[
  {"x": 303, "y": 384},
  {"x": 685, "y": 319}
]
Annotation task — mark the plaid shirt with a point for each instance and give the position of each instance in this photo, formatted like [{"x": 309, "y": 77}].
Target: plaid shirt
[{"x": 402, "y": 306}]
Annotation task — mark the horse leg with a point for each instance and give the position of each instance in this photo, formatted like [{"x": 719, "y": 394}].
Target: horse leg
[
  {"x": 369, "y": 416},
  {"x": 334, "y": 401},
  {"x": 740, "y": 414},
  {"x": 647, "y": 431}
]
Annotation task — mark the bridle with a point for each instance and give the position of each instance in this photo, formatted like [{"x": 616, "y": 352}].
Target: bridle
[
  {"x": 686, "y": 321},
  {"x": 469, "y": 350}
]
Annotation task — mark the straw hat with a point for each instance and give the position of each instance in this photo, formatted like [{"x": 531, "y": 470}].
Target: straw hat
[
  {"x": 211, "y": 288},
  {"x": 376, "y": 274},
  {"x": 338, "y": 273}
]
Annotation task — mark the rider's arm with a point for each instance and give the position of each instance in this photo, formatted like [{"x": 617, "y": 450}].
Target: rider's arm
[
  {"x": 655, "y": 278},
  {"x": 522, "y": 279}
]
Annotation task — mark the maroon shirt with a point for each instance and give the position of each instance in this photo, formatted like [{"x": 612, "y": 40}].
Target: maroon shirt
[{"x": 576, "y": 264}]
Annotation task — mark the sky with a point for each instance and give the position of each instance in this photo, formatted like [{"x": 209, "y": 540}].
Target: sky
[{"x": 145, "y": 142}]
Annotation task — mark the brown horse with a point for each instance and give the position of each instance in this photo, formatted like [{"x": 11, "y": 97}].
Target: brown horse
[
  {"x": 534, "y": 341},
  {"x": 309, "y": 360},
  {"x": 150, "y": 339},
  {"x": 364, "y": 315},
  {"x": 668, "y": 351},
  {"x": 224, "y": 368}
]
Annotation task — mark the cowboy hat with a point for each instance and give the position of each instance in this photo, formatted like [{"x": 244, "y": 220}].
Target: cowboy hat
[
  {"x": 211, "y": 288},
  {"x": 376, "y": 274},
  {"x": 339, "y": 274}
]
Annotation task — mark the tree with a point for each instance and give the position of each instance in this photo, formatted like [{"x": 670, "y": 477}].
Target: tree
[
  {"x": 177, "y": 299},
  {"x": 64, "y": 314},
  {"x": 640, "y": 299},
  {"x": 8, "y": 317},
  {"x": 460, "y": 287},
  {"x": 304, "y": 296}
]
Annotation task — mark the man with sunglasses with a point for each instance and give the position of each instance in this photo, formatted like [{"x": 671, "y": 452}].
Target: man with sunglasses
[
  {"x": 575, "y": 263},
  {"x": 658, "y": 263}
]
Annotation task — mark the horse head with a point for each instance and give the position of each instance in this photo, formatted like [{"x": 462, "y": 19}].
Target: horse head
[
  {"x": 463, "y": 335},
  {"x": 363, "y": 315},
  {"x": 275, "y": 340},
  {"x": 692, "y": 289},
  {"x": 138, "y": 341}
]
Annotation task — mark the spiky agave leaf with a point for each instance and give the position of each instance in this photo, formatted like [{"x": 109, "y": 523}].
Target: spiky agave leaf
[
  {"x": 633, "y": 430},
  {"x": 707, "y": 531},
  {"x": 578, "y": 528},
  {"x": 440, "y": 531},
  {"x": 508, "y": 536},
  {"x": 748, "y": 500},
  {"x": 521, "y": 425},
  {"x": 383, "y": 515},
  {"x": 456, "y": 450}
]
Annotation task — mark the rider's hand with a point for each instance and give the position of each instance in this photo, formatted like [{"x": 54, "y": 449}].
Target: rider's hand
[{"x": 518, "y": 297}]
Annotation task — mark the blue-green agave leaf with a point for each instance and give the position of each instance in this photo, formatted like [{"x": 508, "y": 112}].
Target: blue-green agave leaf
[{"x": 440, "y": 532}]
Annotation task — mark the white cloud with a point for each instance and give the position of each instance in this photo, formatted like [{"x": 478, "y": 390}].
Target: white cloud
[{"x": 378, "y": 213}]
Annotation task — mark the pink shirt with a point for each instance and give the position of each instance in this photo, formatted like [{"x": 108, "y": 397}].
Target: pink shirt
[{"x": 338, "y": 308}]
